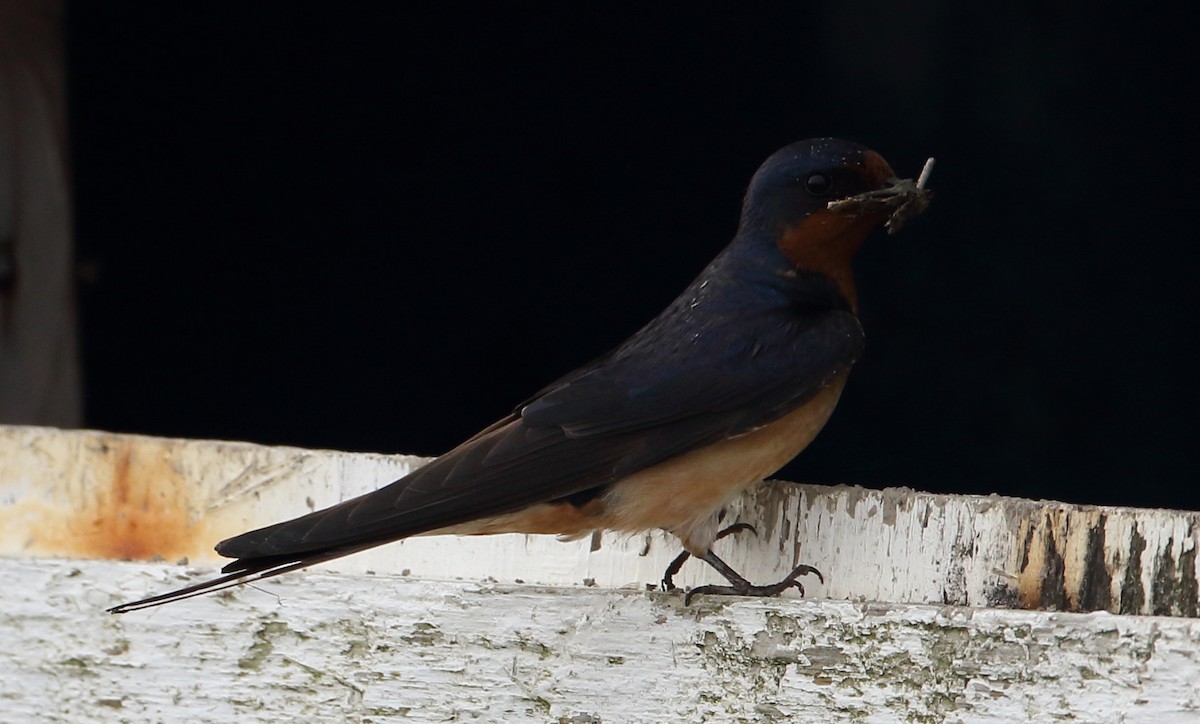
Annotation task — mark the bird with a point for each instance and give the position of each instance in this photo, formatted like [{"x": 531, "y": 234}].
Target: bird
[{"x": 725, "y": 386}]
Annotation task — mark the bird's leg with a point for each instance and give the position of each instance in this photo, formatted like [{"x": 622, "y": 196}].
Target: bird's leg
[
  {"x": 739, "y": 586},
  {"x": 668, "y": 579}
]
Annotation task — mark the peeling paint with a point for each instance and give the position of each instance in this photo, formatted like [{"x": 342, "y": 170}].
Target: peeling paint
[
  {"x": 1095, "y": 586},
  {"x": 1053, "y": 591},
  {"x": 148, "y": 497},
  {"x": 1173, "y": 585},
  {"x": 1189, "y": 585},
  {"x": 1133, "y": 597},
  {"x": 1078, "y": 558}
]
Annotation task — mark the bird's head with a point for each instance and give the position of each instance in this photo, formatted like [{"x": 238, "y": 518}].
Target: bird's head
[{"x": 817, "y": 200}]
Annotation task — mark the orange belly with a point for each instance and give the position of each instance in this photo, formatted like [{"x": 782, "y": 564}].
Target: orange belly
[{"x": 682, "y": 495}]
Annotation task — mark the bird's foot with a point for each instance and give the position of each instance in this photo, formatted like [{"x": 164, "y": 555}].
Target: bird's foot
[
  {"x": 741, "y": 587},
  {"x": 668, "y": 579}
]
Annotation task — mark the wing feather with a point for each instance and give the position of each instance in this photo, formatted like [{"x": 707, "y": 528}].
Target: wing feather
[{"x": 628, "y": 413}]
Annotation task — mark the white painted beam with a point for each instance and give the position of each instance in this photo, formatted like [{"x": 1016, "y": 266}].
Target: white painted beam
[
  {"x": 101, "y": 495},
  {"x": 349, "y": 647},
  {"x": 423, "y": 646}
]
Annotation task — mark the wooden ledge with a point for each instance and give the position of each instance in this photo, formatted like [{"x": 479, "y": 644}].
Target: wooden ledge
[
  {"x": 91, "y": 494},
  {"x": 582, "y": 640},
  {"x": 353, "y": 647}
]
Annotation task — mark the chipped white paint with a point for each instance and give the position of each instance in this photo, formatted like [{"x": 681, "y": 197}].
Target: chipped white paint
[
  {"x": 102, "y": 495},
  {"x": 320, "y": 646},
  {"x": 346, "y": 647}
]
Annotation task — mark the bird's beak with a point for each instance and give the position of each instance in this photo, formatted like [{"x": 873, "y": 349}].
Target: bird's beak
[{"x": 902, "y": 199}]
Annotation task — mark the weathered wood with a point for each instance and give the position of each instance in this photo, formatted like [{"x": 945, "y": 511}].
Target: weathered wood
[
  {"x": 342, "y": 647},
  {"x": 101, "y": 495}
]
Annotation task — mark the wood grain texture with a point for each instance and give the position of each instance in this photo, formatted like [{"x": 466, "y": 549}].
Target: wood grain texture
[
  {"x": 100, "y": 495},
  {"x": 340, "y": 647},
  {"x": 459, "y": 638}
]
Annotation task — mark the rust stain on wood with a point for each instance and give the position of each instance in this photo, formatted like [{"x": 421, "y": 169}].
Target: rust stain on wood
[{"x": 137, "y": 507}]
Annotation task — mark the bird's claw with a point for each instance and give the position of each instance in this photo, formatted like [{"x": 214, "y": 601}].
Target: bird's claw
[{"x": 745, "y": 588}]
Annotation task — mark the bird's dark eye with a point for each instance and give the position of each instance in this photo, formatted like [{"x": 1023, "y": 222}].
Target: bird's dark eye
[{"x": 818, "y": 184}]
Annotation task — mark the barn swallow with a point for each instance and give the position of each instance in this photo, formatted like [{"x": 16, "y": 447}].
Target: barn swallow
[{"x": 725, "y": 386}]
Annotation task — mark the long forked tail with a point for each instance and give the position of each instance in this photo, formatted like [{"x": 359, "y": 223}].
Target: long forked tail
[{"x": 241, "y": 572}]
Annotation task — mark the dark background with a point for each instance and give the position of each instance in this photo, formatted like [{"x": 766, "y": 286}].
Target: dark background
[{"x": 376, "y": 227}]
